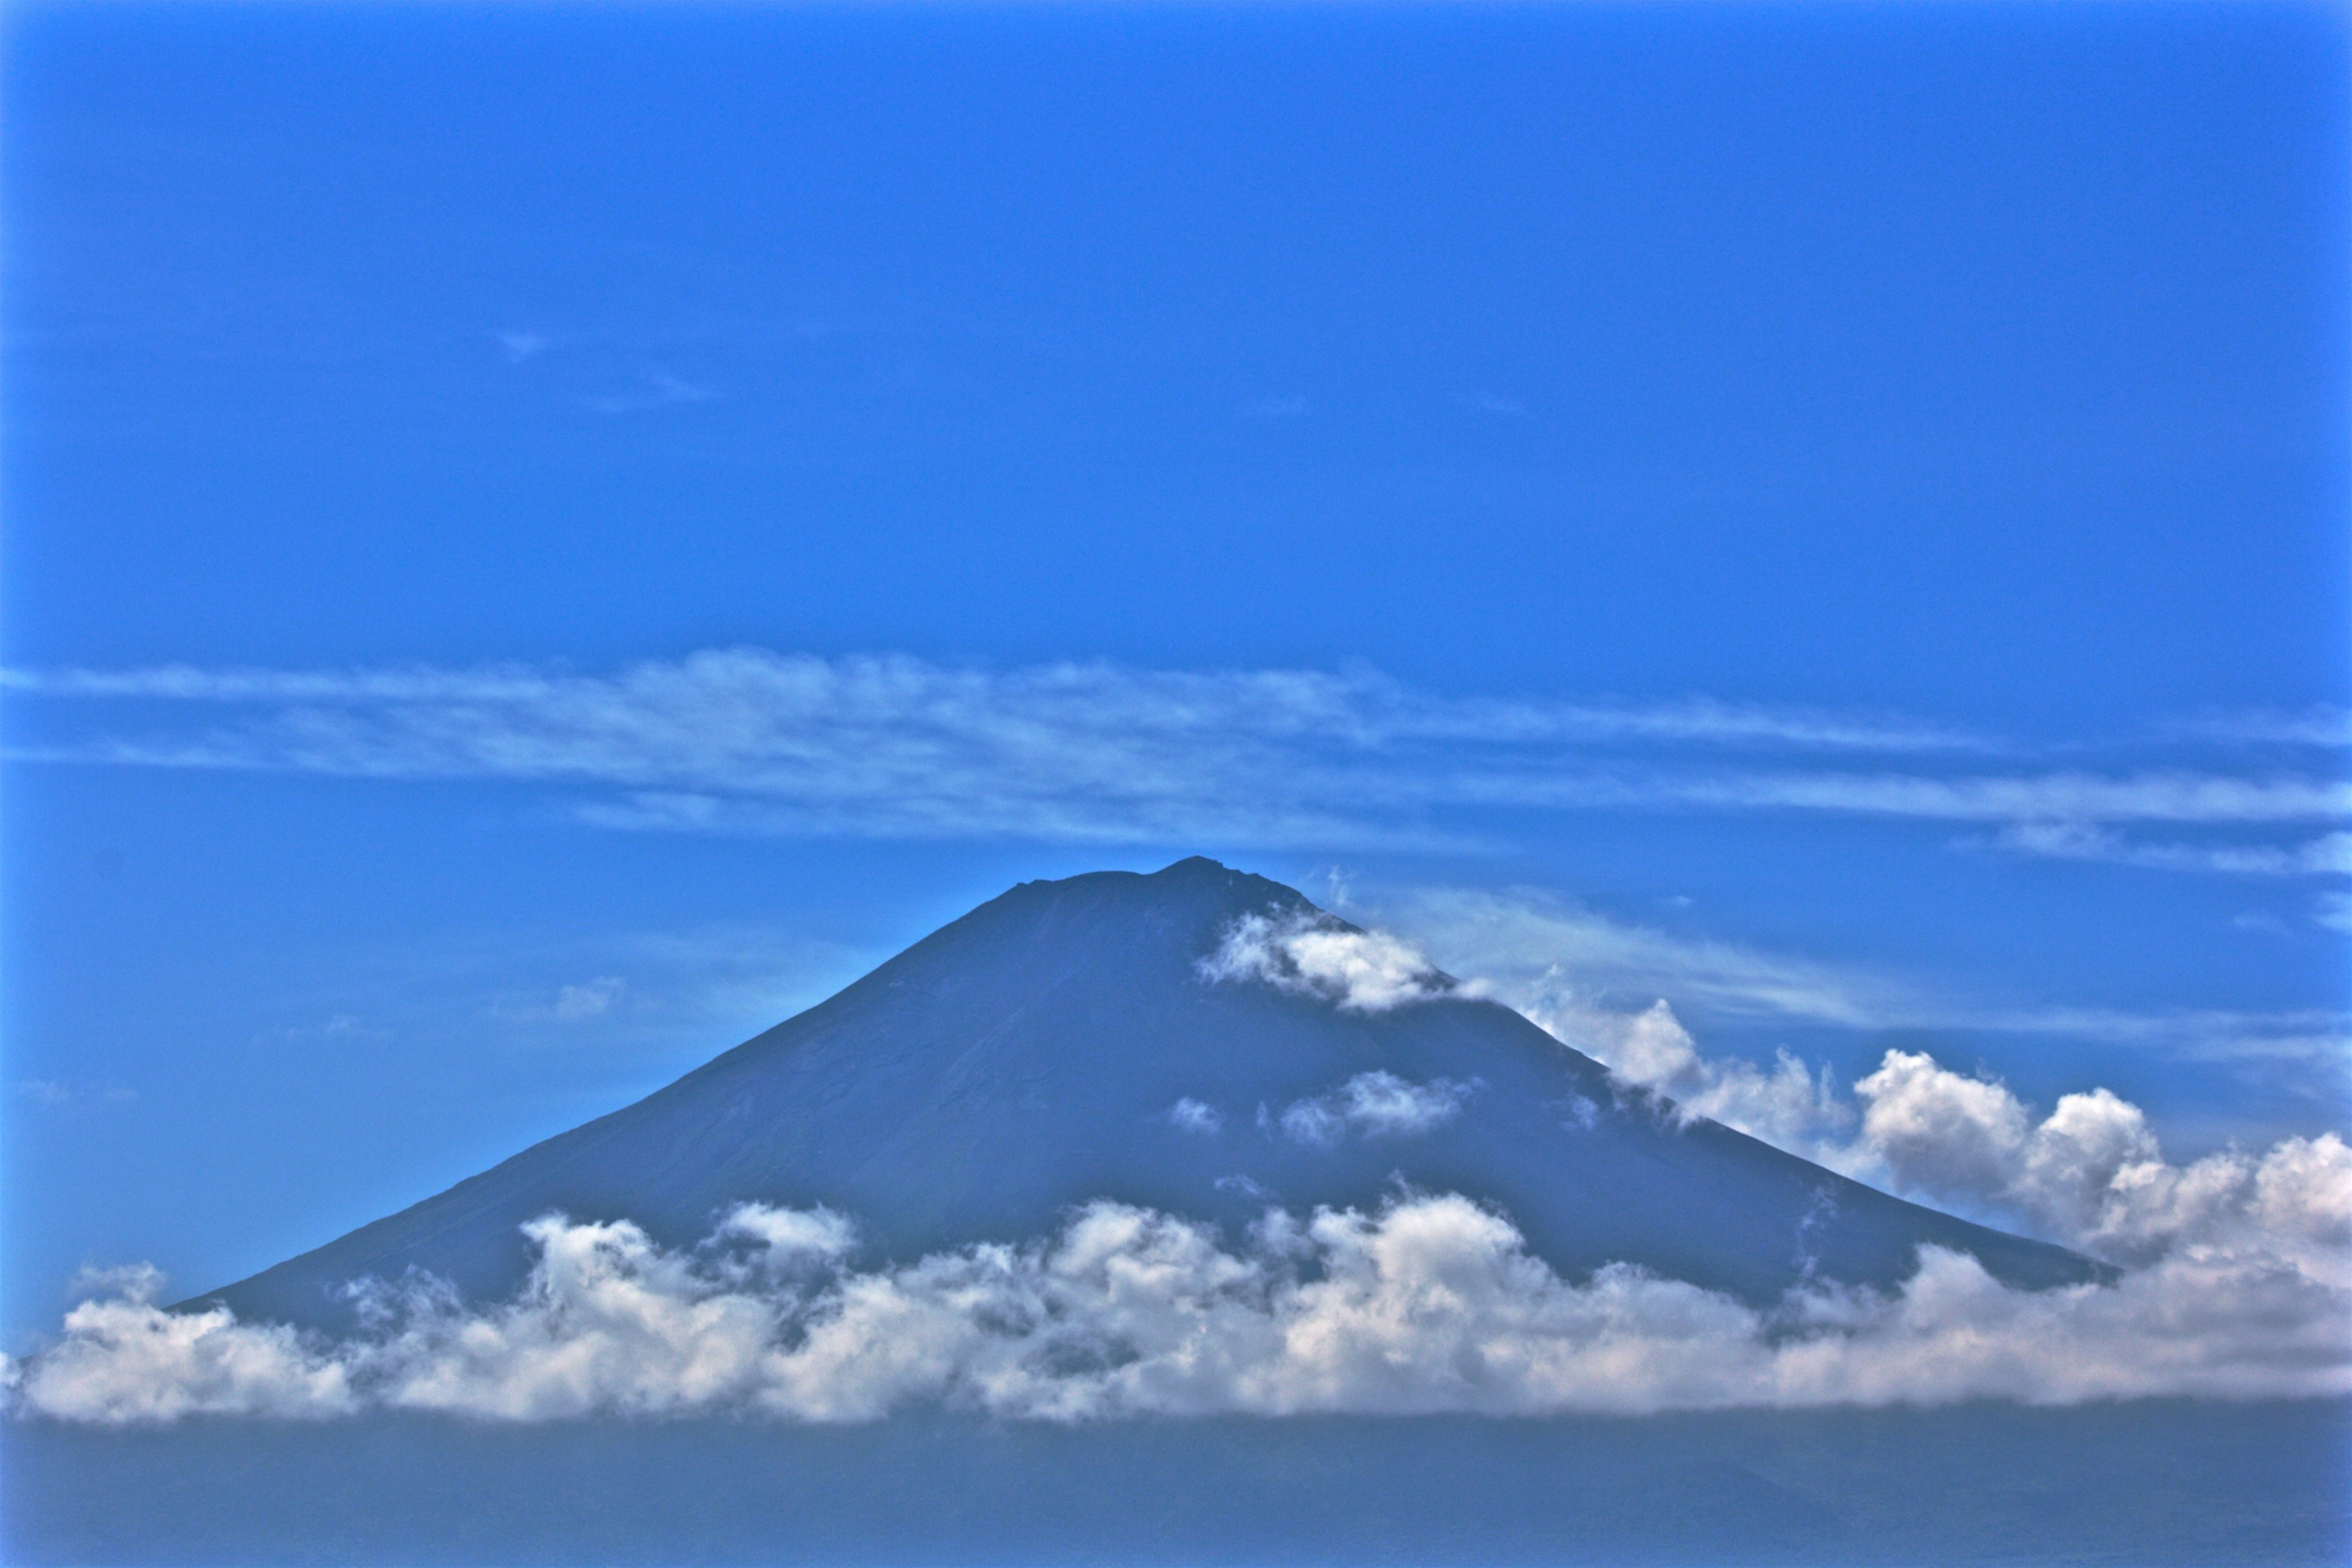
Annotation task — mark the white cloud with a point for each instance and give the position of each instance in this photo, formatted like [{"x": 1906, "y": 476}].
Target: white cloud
[
  {"x": 1431, "y": 1304},
  {"x": 749, "y": 741},
  {"x": 657, "y": 389},
  {"x": 1376, "y": 1104},
  {"x": 1197, "y": 1116},
  {"x": 51, "y": 1093},
  {"x": 2328, "y": 855},
  {"x": 123, "y": 1359},
  {"x": 590, "y": 998},
  {"x": 2062, "y": 797},
  {"x": 132, "y": 1281},
  {"x": 2319, "y": 726},
  {"x": 2091, "y": 1174},
  {"x": 1315, "y": 955},
  {"x": 2334, "y": 910},
  {"x": 1789, "y": 1106},
  {"x": 1575, "y": 970}
]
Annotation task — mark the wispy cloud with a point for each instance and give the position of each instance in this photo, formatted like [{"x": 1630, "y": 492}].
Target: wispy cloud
[
  {"x": 658, "y": 389},
  {"x": 2319, "y": 726},
  {"x": 753, "y": 741},
  {"x": 52, "y": 1093},
  {"x": 521, "y": 345},
  {"x": 1555, "y": 959},
  {"x": 2330, "y": 854}
]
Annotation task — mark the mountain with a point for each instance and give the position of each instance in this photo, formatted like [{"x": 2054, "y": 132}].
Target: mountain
[{"x": 1027, "y": 1057}]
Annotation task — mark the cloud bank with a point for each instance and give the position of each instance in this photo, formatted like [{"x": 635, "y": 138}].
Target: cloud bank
[
  {"x": 749, "y": 741},
  {"x": 1431, "y": 1304}
]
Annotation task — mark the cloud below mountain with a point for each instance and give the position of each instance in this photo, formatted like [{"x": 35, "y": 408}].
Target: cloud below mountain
[{"x": 1431, "y": 1304}]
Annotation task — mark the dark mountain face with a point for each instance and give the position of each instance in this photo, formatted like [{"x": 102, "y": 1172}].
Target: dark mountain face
[{"x": 1027, "y": 1057}]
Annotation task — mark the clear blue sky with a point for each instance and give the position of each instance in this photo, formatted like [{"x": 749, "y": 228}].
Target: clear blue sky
[{"x": 1854, "y": 492}]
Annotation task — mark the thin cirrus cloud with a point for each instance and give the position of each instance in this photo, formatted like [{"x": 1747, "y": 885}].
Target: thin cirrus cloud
[{"x": 747, "y": 740}]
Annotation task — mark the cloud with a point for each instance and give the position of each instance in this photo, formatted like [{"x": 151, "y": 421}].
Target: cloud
[
  {"x": 1197, "y": 1116},
  {"x": 753, "y": 741},
  {"x": 589, "y": 999},
  {"x": 745, "y": 740},
  {"x": 1376, "y": 1104},
  {"x": 520, "y": 346},
  {"x": 1431, "y": 1304},
  {"x": 2318, "y": 726},
  {"x": 1313, "y": 954},
  {"x": 1790, "y": 1106},
  {"x": 51, "y": 1093},
  {"x": 2172, "y": 795},
  {"x": 2091, "y": 1174},
  {"x": 1582, "y": 974},
  {"x": 1494, "y": 403},
  {"x": 2328, "y": 854},
  {"x": 659, "y": 389}
]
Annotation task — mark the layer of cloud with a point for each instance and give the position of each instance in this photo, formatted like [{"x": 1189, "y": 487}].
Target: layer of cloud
[
  {"x": 746, "y": 740},
  {"x": 1431, "y": 1304}
]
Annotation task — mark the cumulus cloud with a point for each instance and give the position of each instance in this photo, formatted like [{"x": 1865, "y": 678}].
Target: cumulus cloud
[
  {"x": 2090, "y": 1173},
  {"x": 1430, "y": 1304},
  {"x": 1789, "y": 1105},
  {"x": 1313, "y": 954}
]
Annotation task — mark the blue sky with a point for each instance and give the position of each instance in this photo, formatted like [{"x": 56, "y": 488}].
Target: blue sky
[{"x": 541, "y": 540}]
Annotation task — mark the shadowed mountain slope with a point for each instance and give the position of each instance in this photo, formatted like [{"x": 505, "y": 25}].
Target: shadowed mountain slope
[{"x": 1026, "y": 1058}]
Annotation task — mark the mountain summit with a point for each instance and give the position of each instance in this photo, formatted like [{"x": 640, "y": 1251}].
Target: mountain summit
[{"x": 1148, "y": 1038}]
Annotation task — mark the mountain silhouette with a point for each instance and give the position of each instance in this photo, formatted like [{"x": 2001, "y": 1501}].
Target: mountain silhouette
[{"x": 1027, "y": 1057}]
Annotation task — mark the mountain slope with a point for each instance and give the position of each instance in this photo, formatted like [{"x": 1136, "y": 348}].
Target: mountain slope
[{"x": 1025, "y": 1058}]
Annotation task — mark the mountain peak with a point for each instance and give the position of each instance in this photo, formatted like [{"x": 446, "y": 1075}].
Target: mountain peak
[{"x": 1064, "y": 1042}]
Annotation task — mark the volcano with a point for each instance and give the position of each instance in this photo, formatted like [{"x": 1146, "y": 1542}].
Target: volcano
[{"x": 1031, "y": 1055}]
